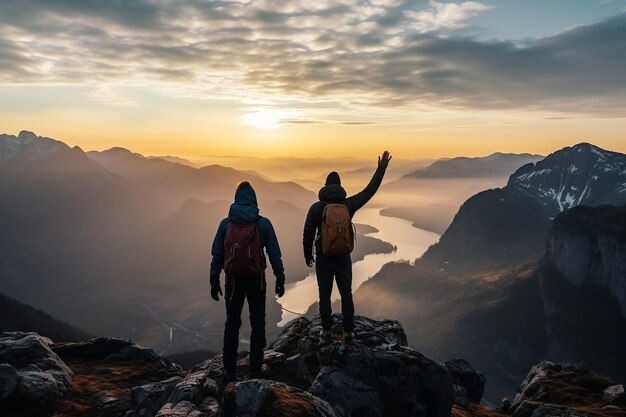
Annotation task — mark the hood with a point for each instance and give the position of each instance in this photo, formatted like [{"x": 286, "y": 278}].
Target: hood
[
  {"x": 245, "y": 208},
  {"x": 333, "y": 193}
]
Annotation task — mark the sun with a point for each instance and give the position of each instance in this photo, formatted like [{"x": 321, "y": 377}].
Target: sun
[{"x": 267, "y": 118}]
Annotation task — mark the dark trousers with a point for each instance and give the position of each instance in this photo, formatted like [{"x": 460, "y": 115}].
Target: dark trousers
[
  {"x": 328, "y": 269},
  {"x": 239, "y": 289}
]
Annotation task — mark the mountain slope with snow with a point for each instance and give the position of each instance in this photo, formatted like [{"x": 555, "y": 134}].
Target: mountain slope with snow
[
  {"x": 502, "y": 226},
  {"x": 27, "y": 145},
  {"x": 581, "y": 175}
]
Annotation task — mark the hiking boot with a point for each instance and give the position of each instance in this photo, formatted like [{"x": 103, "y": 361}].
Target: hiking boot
[
  {"x": 259, "y": 373},
  {"x": 326, "y": 336},
  {"x": 348, "y": 338}
]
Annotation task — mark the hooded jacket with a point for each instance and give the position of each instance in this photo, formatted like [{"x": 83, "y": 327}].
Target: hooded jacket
[
  {"x": 245, "y": 210},
  {"x": 335, "y": 193}
]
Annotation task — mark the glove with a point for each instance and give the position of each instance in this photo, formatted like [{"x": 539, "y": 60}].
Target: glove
[
  {"x": 280, "y": 289},
  {"x": 215, "y": 290},
  {"x": 309, "y": 262}
]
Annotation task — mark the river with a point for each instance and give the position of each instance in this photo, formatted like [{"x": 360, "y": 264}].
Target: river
[{"x": 410, "y": 241}]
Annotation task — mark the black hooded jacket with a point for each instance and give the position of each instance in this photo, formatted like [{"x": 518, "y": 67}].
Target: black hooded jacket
[{"x": 335, "y": 193}]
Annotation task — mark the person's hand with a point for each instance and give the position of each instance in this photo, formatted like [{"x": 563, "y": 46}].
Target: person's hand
[
  {"x": 383, "y": 161},
  {"x": 309, "y": 262},
  {"x": 280, "y": 289},
  {"x": 215, "y": 290}
]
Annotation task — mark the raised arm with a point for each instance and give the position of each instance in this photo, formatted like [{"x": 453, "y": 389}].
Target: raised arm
[{"x": 358, "y": 200}]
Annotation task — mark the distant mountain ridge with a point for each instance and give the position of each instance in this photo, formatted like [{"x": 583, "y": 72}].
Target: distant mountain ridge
[
  {"x": 496, "y": 164},
  {"x": 82, "y": 232},
  {"x": 504, "y": 225},
  {"x": 17, "y": 316},
  {"x": 178, "y": 182},
  {"x": 27, "y": 145}
]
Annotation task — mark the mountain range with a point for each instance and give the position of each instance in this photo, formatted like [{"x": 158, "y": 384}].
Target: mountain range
[
  {"x": 530, "y": 271},
  {"x": 508, "y": 224},
  {"x": 494, "y": 165},
  {"x": 430, "y": 196},
  {"x": 117, "y": 243}
]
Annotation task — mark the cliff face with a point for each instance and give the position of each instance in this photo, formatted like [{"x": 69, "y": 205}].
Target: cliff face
[
  {"x": 587, "y": 246},
  {"x": 583, "y": 288},
  {"x": 568, "y": 306}
]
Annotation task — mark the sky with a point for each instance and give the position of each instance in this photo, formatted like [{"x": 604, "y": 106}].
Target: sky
[{"x": 422, "y": 78}]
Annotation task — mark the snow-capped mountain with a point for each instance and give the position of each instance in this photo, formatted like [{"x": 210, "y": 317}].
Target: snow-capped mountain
[
  {"x": 27, "y": 145},
  {"x": 505, "y": 225},
  {"x": 581, "y": 175}
]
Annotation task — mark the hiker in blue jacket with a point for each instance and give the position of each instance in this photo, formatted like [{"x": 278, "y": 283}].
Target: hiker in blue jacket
[
  {"x": 336, "y": 265},
  {"x": 239, "y": 248}
]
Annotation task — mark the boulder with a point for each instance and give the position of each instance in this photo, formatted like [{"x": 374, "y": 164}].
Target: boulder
[
  {"x": 182, "y": 409},
  {"x": 195, "y": 387},
  {"x": 466, "y": 376},
  {"x": 194, "y": 393},
  {"x": 109, "y": 349},
  {"x": 31, "y": 372},
  {"x": 387, "y": 382},
  {"x": 9, "y": 379},
  {"x": 614, "y": 394},
  {"x": 148, "y": 399},
  {"x": 263, "y": 398},
  {"x": 559, "y": 389},
  {"x": 303, "y": 334}
]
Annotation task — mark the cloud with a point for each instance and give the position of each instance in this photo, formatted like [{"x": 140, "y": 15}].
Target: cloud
[
  {"x": 364, "y": 56},
  {"x": 447, "y": 15}
]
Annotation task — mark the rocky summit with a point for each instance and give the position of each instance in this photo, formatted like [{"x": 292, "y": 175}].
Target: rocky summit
[{"x": 376, "y": 376}]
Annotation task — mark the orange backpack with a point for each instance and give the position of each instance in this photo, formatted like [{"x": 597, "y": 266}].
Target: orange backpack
[{"x": 336, "y": 232}]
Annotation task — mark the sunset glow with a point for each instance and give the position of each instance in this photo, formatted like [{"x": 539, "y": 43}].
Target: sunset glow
[{"x": 341, "y": 77}]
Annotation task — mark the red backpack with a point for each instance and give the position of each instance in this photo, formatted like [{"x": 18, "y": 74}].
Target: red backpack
[{"x": 242, "y": 250}]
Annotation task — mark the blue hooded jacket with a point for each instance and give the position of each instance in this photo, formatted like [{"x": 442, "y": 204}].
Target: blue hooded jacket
[{"x": 245, "y": 210}]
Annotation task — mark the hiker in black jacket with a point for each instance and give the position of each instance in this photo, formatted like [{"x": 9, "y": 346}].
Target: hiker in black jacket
[
  {"x": 338, "y": 267},
  {"x": 238, "y": 248}
]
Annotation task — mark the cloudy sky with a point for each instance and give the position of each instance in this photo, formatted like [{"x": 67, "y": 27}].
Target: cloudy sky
[{"x": 424, "y": 78}]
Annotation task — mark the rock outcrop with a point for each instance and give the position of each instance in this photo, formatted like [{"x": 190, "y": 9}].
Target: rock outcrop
[
  {"x": 467, "y": 380},
  {"x": 561, "y": 389},
  {"x": 588, "y": 247},
  {"x": 30, "y": 372},
  {"x": 583, "y": 281},
  {"x": 107, "y": 349},
  {"x": 263, "y": 398},
  {"x": 615, "y": 394},
  {"x": 377, "y": 376}
]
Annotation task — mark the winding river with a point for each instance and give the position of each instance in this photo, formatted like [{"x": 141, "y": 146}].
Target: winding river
[{"x": 410, "y": 241}]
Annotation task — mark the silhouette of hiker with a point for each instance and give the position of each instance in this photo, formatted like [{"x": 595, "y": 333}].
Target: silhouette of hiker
[
  {"x": 238, "y": 249},
  {"x": 329, "y": 223}
]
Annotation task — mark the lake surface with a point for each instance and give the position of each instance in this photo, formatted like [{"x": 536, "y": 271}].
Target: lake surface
[{"x": 410, "y": 241}]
